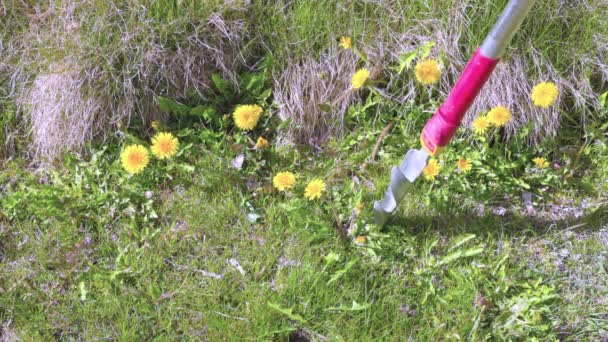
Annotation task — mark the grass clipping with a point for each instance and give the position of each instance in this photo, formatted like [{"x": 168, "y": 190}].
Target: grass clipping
[{"x": 61, "y": 116}]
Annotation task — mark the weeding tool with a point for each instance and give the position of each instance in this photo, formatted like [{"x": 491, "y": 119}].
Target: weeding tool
[{"x": 443, "y": 124}]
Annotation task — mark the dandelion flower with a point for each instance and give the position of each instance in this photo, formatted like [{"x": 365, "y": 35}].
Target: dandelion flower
[
  {"x": 164, "y": 145},
  {"x": 314, "y": 189},
  {"x": 155, "y": 124},
  {"x": 358, "y": 209},
  {"x": 481, "y": 125},
  {"x": 431, "y": 170},
  {"x": 284, "y": 180},
  {"x": 261, "y": 143},
  {"x": 499, "y": 116},
  {"x": 246, "y": 116},
  {"x": 346, "y": 42},
  {"x": 464, "y": 165},
  {"x": 428, "y": 72},
  {"x": 545, "y": 94},
  {"x": 134, "y": 158},
  {"x": 360, "y": 77},
  {"x": 541, "y": 163},
  {"x": 360, "y": 240}
]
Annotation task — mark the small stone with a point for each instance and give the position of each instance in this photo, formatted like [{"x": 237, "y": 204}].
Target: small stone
[
  {"x": 237, "y": 162},
  {"x": 284, "y": 262},
  {"x": 500, "y": 211},
  {"x": 407, "y": 310}
]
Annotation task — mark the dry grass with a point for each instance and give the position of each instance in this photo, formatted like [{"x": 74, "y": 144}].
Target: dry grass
[
  {"x": 6, "y": 335},
  {"x": 548, "y": 48},
  {"x": 101, "y": 63},
  {"x": 315, "y": 95},
  {"x": 61, "y": 116},
  {"x": 525, "y": 65},
  {"x": 78, "y": 69}
]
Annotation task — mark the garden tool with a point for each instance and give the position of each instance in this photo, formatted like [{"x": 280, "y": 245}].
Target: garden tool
[{"x": 442, "y": 126}]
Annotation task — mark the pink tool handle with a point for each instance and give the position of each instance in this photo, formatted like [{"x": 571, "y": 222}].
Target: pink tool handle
[{"x": 441, "y": 127}]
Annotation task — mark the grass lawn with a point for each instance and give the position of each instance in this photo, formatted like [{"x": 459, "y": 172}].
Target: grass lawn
[
  {"x": 107, "y": 235},
  {"x": 90, "y": 253}
]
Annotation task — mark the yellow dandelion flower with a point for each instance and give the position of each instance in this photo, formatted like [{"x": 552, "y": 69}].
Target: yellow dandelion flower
[
  {"x": 314, "y": 189},
  {"x": 360, "y": 240},
  {"x": 164, "y": 145},
  {"x": 346, "y": 42},
  {"x": 427, "y": 71},
  {"x": 464, "y": 165},
  {"x": 359, "y": 78},
  {"x": 261, "y": 143},
  {"x": 544, "y": 94},
  {"x": 360, "y": 206},
  {"x": 541, "y": 163},
  {"x": 499, "y": 116},
  {"x": 284, "y": 180},
  {"x": 155, "y": 124},
  {"x": 246, "y": 116},
  {"x": 134, "y": 158},
  {"x": 481, "y": 124},
  {"x": 431, "y": 170}
]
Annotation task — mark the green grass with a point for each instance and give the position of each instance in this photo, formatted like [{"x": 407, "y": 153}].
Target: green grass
[
  {"x": 122, "y": 266},
  {"x": 194, "y": 249}
]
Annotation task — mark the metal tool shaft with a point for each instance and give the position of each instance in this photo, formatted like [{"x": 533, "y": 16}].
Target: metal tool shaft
[
  {"x": 495, "y": 44},
  {"x": 441, "y": 127}
]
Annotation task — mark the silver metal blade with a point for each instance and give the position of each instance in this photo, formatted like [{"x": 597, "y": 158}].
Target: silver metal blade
[{"x": 402, "y": 178}]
